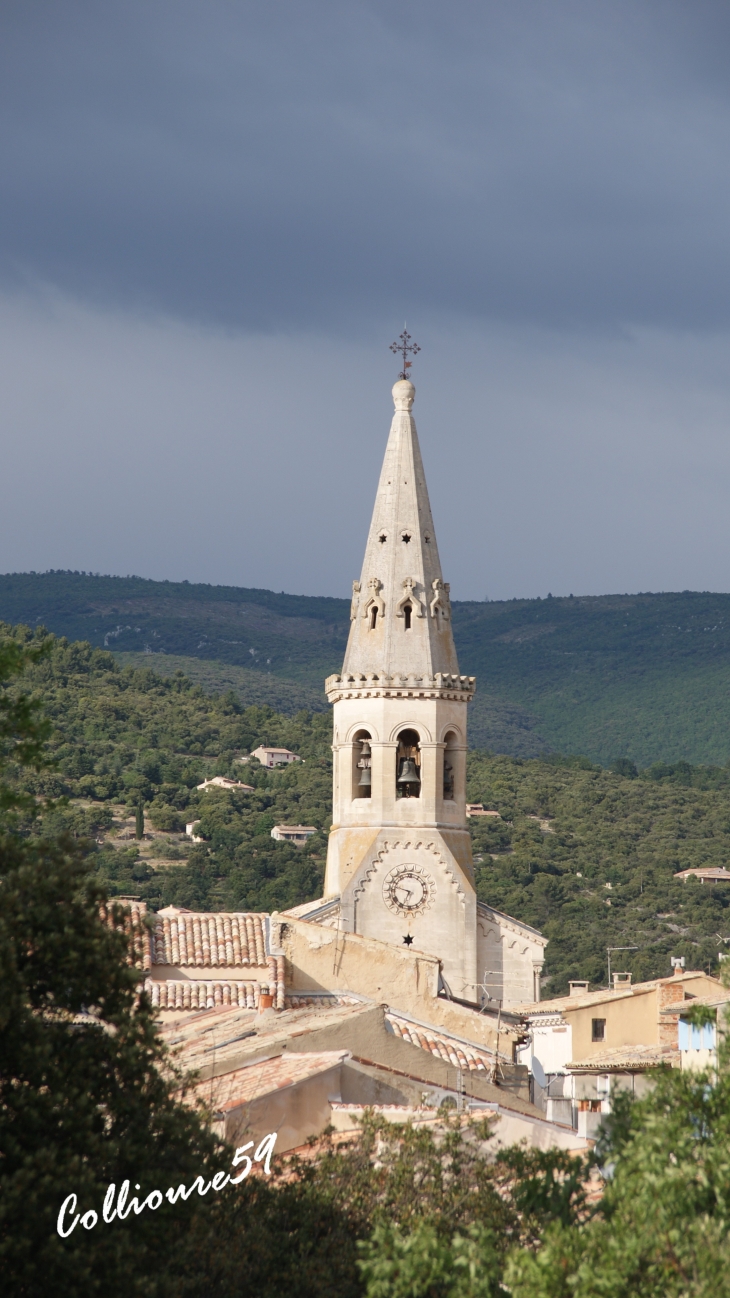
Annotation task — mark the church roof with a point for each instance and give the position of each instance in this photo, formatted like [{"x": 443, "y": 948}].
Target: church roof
[{"x": 401, "y": 568}]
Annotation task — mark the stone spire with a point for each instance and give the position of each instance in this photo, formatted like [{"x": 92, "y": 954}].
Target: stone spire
[{"x": 401, "y": 614}]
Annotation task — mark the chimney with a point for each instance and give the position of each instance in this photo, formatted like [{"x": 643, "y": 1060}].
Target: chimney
[
  {"x": 578, "y": 988},
  {"x": 669, "y": 992},
  {"x": 621, "y": 981}
]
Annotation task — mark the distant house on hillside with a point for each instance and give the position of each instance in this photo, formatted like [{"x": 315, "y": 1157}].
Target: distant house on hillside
[
  {"x": 274, "y": 756},
  {"x": 222, "y": 782},
  {"x": 190, "y": 831},
  {"x": 296, "y": 834},
  {"x": 706, "y": 874},
  {"x": 478, "y": 809}
]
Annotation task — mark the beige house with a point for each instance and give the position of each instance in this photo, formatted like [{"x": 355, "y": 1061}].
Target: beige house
[
  {"x": 705, "y": 874},
  {"x": 274, "y": 756},
  {"x": 296, "y": 834},
  {"x": 582, "y": 1047}
]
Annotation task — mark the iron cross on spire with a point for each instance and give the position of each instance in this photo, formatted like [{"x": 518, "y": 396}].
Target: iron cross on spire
[{"x": 406, "y": 348}]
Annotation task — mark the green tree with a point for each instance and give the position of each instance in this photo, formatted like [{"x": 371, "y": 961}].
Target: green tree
[
  {"x": 86, "y": 1093},
  {"x": 422, "y": 1264},
  {"x": 139, "y": 821},
  {"x": 662, "y": 1228}
]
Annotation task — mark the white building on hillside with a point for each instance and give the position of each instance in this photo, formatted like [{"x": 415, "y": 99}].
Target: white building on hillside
[{"x": 274, "y": 756}]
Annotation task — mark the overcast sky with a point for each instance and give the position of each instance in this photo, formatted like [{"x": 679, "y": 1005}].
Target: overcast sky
[{"x": 215, "y": 217}]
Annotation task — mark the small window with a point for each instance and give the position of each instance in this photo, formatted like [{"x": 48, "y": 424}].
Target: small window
[
  {"x": 407, "y": 610},
  {"x": 373, "y": 617},
  {"x": 598, "y": 1029}
]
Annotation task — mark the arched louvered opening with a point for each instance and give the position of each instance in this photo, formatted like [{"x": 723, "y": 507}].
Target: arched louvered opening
[
  {"x": 450, "y": 767},
  {"x": 408, "y": 765},
  {"x": 361, "y": 765}
]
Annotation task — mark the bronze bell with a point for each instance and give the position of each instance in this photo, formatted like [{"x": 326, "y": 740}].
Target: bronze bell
[
  {"x": 409, "y": 772},
  {"x": 366, "y": 779}
]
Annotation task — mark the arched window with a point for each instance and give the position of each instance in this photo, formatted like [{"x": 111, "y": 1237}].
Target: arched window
[
  {"x": 408, "y": 765},
  {"x": 373, "y": 617},
  {"x": 450, "y": 767},
  {"x": 407, "y": 610},
  {"x": 361, "y": 768}
]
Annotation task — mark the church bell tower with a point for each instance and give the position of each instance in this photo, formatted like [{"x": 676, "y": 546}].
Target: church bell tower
[{"x": 399, "y": 856}]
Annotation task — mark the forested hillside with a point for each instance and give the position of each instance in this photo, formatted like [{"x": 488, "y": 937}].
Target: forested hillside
[
  {"x": 567, "y": 829},
  {"x": 641, "y": 676}
]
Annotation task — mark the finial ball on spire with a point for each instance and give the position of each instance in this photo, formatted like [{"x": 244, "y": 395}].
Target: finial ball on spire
[{"x": 403, "y": 394}]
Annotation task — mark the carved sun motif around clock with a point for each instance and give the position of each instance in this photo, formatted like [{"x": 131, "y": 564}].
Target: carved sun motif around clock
[{"x": 408, "y": 890}]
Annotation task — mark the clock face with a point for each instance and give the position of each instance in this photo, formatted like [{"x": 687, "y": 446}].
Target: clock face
[{"x": 408, "y": 889}]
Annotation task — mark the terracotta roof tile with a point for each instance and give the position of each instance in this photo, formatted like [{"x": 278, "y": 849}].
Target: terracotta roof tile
[
  {"x": 135, "y": 913},
  {"x": 452, "y": 1051},
  {"x": 172, "y": 994},
  {"x": 217, "y": 940}
]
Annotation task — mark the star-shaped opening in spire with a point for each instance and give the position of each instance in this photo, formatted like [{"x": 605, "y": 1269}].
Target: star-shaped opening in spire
[
  {"x": 406, "y": 537},
  {"x": 408, "y": 939},
  {"x": 382, "y": 538}
]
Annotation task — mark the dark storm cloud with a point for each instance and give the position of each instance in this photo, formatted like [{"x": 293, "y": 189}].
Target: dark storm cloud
[{"x": 297, "y": 165}]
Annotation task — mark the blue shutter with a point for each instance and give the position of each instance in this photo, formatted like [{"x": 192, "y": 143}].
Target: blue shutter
[{"x": 696, "y": 1037}]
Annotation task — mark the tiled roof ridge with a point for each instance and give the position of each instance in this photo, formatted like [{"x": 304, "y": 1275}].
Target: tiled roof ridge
[
  {"x": 558, "y": 1004},
  {"x": 390, "y": 1012},
  {"x": 626, "y": 1056},
  {"x": 443, "y": 1045},
  {"x": 298, "y": 999}
]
